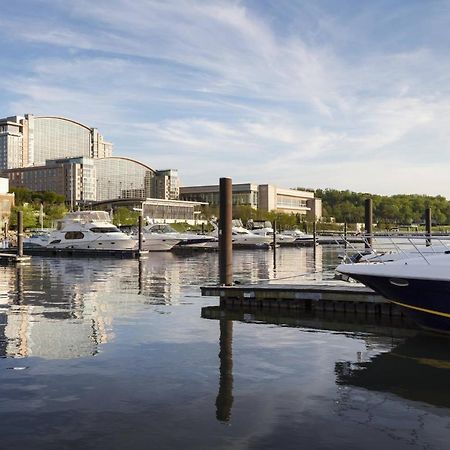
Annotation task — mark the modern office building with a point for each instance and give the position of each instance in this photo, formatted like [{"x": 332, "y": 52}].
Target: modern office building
[
  {"x": 31, "y": 140},
  {"x": 263, "y": 196}
]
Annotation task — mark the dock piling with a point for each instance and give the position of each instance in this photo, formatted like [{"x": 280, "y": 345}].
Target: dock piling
[
  {"x": 428, "y": 225},
  {"x": 315, "y": 238},
  {"x": 20, "y": 234},
  {"x": 345, "y": 235},
  {"x": 140, "y": 235},
  {"x": 225, "y": 232},
  {"x": 369, "y": 222},
  {"x": 274, "y": 243}
]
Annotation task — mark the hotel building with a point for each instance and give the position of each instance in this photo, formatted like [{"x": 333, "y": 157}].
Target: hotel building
[
  {"x": 32, "y": 140},
  {"x": 261, "y": 196},
  {"x": 69, "y": 158}
]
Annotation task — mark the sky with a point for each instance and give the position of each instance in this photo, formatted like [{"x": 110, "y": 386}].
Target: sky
[{"x": 319, "y": 94}]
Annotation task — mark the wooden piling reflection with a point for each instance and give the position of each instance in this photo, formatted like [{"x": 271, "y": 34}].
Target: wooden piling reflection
[{"x": 224, "y": 400}]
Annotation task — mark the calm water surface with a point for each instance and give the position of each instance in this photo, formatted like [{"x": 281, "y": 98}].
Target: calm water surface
[{"x": 114, "y": 354}]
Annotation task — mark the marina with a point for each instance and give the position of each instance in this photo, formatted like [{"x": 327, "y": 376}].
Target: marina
[
  {"x": 224, "y": 225},
  {"x": 131, "y": 351}
]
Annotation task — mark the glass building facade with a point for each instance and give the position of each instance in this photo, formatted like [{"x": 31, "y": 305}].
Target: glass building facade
[
  {"x": 121, "y": 178},
  {"x": 56, "y": 138},
  {"x": 31, "y": 140}
]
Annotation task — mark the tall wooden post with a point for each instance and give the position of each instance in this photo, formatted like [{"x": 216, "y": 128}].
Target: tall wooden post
[
  {"x": 140, "y": 234},
  {"x": 428, "y": 225},
  {"x": 369, "y": 222},
  {"x": 225, "y": 232},
  {"x": 274, "y": 243},
  {"x": 345, "y": 235},
  {"x": 19, "y": 234},
  {"x": 314, "y": 238}
]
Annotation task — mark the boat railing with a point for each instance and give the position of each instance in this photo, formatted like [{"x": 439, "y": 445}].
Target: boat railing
[{"x": 378, "y": 246}]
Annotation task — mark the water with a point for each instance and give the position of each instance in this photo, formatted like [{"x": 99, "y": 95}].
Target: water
[{"x": 114, "y": 354}]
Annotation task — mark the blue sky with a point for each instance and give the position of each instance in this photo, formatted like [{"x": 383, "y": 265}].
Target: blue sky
[{"x": 341, "y": 94}]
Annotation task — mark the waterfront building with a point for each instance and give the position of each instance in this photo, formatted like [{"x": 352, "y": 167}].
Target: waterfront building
[
  {"x": 157, "y": 210},
  {"x": 123, "y": 178},
  {"x": 74, "y": 178},
  {"x": 31, "y": 140},
  {"x": 6, "y": 203},
  {"x": 48, "y": 153},
  {"x": 262, "y": 196},
  {"x": 84, "y": 180}
]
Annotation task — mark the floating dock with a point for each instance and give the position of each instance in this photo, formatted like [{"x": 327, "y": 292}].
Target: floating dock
[
  {"x": 322, "y": 320},
  {"x": 348, "y": 298},
  {"x": 13, "y": 257}
]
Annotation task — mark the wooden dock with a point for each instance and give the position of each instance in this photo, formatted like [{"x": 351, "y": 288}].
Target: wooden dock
[
  {"x": 13, "y": 258},
  {"x": 76, "y": 252},
  {"x": 317, "y": 320},
  {"x": 343, "y": 297}
]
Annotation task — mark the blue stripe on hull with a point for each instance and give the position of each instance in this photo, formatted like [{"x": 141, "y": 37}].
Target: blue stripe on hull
[{"x": 428, "y": 302}]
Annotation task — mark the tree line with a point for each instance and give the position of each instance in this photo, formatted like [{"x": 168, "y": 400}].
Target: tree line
[{"x": 400, "y": 209}]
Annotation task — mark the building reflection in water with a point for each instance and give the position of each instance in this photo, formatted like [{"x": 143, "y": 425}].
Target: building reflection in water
[{"x": 66, "y": 307}]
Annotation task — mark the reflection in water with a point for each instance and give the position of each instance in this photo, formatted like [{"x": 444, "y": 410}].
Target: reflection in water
[
  {"x": 155, "y": 375},
  {"x": 59, "y": 307},
  {"x": 417, "y": 369},
  {"x": 224, "y": 400}
]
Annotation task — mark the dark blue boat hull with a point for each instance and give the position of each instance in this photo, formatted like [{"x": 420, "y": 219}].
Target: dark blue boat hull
[{"x": 427, "y": 302}]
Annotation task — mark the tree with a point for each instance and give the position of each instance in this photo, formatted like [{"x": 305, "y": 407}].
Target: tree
[
  {"x": 125, "y": 216},
  {"x": 30, "y": 216}
]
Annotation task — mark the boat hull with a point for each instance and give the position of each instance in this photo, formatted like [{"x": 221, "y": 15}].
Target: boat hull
[
  {"x": 159, "y": 245},
  {"x": 112, "y": 244},
  {"x": 427, "y": 303}
]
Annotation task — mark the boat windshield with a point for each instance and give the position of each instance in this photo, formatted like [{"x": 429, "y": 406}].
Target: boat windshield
[
  {"x": 105, "y": 230},
  {"x": 160, "y": 228},
  {"x": 88, "y": 216}
]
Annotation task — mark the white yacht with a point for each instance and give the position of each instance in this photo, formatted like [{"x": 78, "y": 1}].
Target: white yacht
[
  {"x": 37, "y": 238},
  {"x": 282, "y": 238},
  {"x": 298, "y": 235},
  {"x": 161, "y": 236},
  {"x": 86, "y": 230},
  {"x": 241, "y": 237}
]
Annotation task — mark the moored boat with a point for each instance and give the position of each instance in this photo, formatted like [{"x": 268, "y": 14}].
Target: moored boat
[
  {"x": 162, "y": 237},
  {"x": 85, "y": 230},
  {"x": 419, "y": 284}
]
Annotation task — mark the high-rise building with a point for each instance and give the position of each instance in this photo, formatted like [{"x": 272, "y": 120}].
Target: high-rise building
[
  {"x": 167, "y": 184},
  {"x": 46, "y": 153},
  {"x": 30, "y": 140}
]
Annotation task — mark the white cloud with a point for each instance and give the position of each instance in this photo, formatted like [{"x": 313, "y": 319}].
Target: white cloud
[{"x": 214, "y": 88}]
